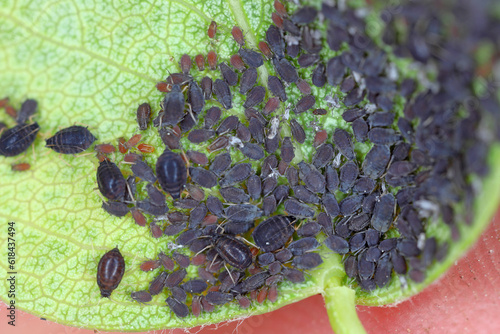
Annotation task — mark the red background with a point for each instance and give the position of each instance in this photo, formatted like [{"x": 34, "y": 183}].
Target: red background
[{"x": 465, "y": 300}]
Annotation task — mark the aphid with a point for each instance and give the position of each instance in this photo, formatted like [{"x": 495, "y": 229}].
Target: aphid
[
  {"x": 237, "y": 63},
  {"x": 197, "y": 157},
  {"x": 110, "y": 271},
  {"x": 324, "y": 154},
  {"x": 212, "y": 29},
  {"x": 203, "y": 177},
  {"x": 255, "y": 96},
  {"x": 383, "y": 213},
  {"x": 28, "y": 109},
  {"x": 348, "y": 174},
  {"x": 337, "y": 244},
  {"x": 20, "y": 167},
  {"x": 142, "y": 170},
  {"x": 304, "y": 104},
  {"x": 142, "y": 296},
  {"x": 376, "y": 160},
  {"x": 360, "y": 130},
  {"x": 229, "y": 75},
  {"x": 251, "y": 58},
  {"x": 238, "y": 173},
  {"x": 286, "y": 71},
  {"x": 220, "y": 163},
  {"x": 383, "y": 136},
  {"x": 318, "y": 78},
  {"x": 110, "y": 180},
  {"x": 200, "y": 62},
  {"x": 206, "y": 85},
  {"x": 252, "y": 151},
  {"x": 238, "y": 35},
  {"x": 232, "y": 251},
  {"x": 223, "y": 94},
  {"x": 342, "y": 140},
  {"x": 196, "y": 97},
  {"x": 74, "y": 139},
  {"x": 248, "y": 80},
  {"x": 198, "y": 136},
  {"x": 276, "y": 87},
  {"x": 212, "y": 59},
  {"x": 171, "y": 172},
  {"x": 266, "y": 51},
  {"x": 212, "y": 116},
  {"x": 287, "y": 150},
  {"x": 185, "y": 63},
  {"x": 273, "y": 233},
  {"x": 275, "y": 41},
  {"x": 320, "y": 138}
]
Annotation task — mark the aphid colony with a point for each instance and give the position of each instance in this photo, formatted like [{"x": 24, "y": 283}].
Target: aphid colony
[{"x": 374, "y": 211}]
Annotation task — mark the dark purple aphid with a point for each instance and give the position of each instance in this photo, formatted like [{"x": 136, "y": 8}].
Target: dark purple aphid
[
  {"x": 141, "y": 296},
  {"x": 243, "y": 212},
  {"x": 273, "y": 233},
  {"x": 360, "y": 130},
  {"x": 351, "y": 204},
  {"x": 72, "y": 140},
  {"x": 196, "y": 97},
  {"x": 307, "y": 261},
  {"x": 229, "y": 75},
  {"x": 215, "y": 206},
  {"x": 233, "y": 251},
  {"x": 220, "y": 163},
  {"x": 269, "y": 205},
  {"x": 142, "y": 170},
  {"x": 179, "y": 308},
  {"x": 110, "y": 181},
  {"x": 171, "y": 172},
  {"x": 251, "y": 57},
  {"x": 203, "y": 177},
  {"x": 342, "y": 140},
  {"x": 194, "y": 286},
  {"x": 382, "y": 136},
  {"x": 248, "y": 80},
  {"x": 223, "y": 94},
  {"x": 376, "y": 160},
  {"x": 286, "y": 71},
  {"x": 294, "y": 207},
  {"x": 304, "y": 104},
  {"x": 275, "y": 41},
  {"x": 255, "y": 96},
  {"x": 143, "y": 115},
  {"x": 254, "y": 187},
  {"x": 337, "y": 244},
  {"x": 287, "y": 150},
  {"x": 110, "y": 271},
  {"x": 303, "y": 245},
  {"x": 118, "y": 209},
  {"x": 306, "y": 60},
  {"x": 229, "y": 123},
  {"x": 324, "y": 155},
  {"x": 206, "y": 86},
  {"x": 238, "y": 173},
  {"x": 234, "y": 195},
  {"x": 318, "y": 78},
  {"x": 173, "y": 107},
  {"x": 303, "y": 194},
  {"x": 348, "y": 174},
  {"x": 332, "y": 179}
]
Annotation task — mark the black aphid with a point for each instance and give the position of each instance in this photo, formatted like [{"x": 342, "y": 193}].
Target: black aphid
[
  {"x": 275, "y": 41},
  {"x": 255, "y": 96},
  {"x": 207, "y": 86},
  {"x": 171, "y": 173},
  {"x": 223, "y": 94},
  {"x": 16, "y": 140},
  {"x": 229, "y": 123},
  {"x": 305, "y": 103},
  {"x": 172, "y": 106},
  {"x": 248, "y": 80},
  {"x": 276, "y": 87},
  {"x": 110, "y": 271},
  {"x": 142, "y": 170},
  {"x": 203, "y": 177},
  {"x": 348, "y": 174},
  {"x": 229, "y": 75},
  {"x": 318, "y": 78},
  {"x": 110, "y": 181},
  {"x": 273, "y": 233},
  {"x": 251, "y": 58},
  {"x": 337, "y": 244},
  {"x": 286, "y": 71},
  {"x": 238, "y": 173},
  {"x": 376, "y": 160},
  {"x": 342, "y": 140}
]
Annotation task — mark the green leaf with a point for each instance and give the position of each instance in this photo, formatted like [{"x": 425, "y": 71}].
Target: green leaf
[{"x": 93, "y": 64}]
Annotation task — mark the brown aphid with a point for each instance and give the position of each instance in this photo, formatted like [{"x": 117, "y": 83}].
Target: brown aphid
[
  {"x": 237, "y": 62},
  {"x": 132, "y": 141},
  {"x": 320, "y": 138},
  {"x": 105, "y": 148},
  {"x": 303, "y": 86},
  {"x": 197, "y": 157},
  {"x": 280, "y": 8},
  {"x": 146, "y": 148},
  {"x": 185, "y": 63},
  {"x": 238, "y": 35},
  {"x": 212, "y": 29},
  {"x": 200, "y": 62},
  {"x": 20, "y": 167},
  {"x": 277, "y": 20},
  {"x": 163, "y": 87},
  {"x": 212, "y": 60},
  {"x": 265, "y": 49},
  {"x": 143, "y": 115},
  {"x": 110, "y": 271},
  {"x": 138, "y": 217},
  {"x": 150, "y": 265}
]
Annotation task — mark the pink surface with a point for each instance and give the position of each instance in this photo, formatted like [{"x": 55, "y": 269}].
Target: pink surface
[{"x": 465, "y": 300}]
